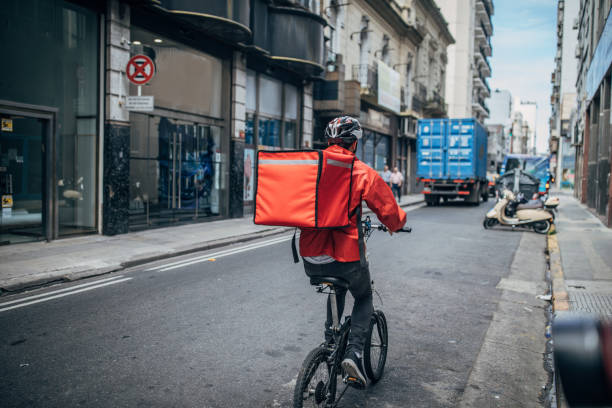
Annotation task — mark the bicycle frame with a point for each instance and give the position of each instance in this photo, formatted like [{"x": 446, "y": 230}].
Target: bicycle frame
[{"x": 340, "y": 336}]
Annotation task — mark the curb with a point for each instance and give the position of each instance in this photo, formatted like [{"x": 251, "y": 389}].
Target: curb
[
  {"x": 17, "y": 285},
  {"x": 560, "y": 297}
]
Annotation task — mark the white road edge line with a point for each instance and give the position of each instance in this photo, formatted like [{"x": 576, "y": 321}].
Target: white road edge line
[
  {"x": 63, "y": 294},
  {"x": 216, "y": 254},
  {"x": 27, "y": 298},
  {"x": 188, "y": 262}
]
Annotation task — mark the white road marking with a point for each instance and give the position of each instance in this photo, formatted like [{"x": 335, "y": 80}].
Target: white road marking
[
  {"x": 221, "y": 254},
  {"x": 204, "y": 258},
  {"x": 208, "y": 256},
  {"x": 26, "y": 298},
  {"x": 45, "y": 299}
]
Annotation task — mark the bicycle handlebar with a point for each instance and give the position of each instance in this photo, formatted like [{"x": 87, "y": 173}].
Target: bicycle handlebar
[{"x": 382, "y": 227}]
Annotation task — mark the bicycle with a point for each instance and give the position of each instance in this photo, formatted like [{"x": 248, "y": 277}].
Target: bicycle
[{"x": 316, "y": 384}]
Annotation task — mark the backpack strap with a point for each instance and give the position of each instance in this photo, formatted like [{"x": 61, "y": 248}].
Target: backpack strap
[
  {"x": 296, "y": 258},
  {"x": 361, "y": 240}
]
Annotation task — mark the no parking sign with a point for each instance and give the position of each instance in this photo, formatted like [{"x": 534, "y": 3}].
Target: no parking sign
[{"x": 140, "y": 69}]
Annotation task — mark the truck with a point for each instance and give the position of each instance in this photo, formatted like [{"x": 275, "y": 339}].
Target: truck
[{"x": 452, "y": 160}]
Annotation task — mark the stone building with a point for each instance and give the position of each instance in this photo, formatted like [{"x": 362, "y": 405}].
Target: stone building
[
  {"x": 230, "y": 78},
  {"x": 563, "y": 97},
  {"x": 468, "y": 65},
  {"x": 386, "y": 65},
  {"x": 592, "y": 134}
]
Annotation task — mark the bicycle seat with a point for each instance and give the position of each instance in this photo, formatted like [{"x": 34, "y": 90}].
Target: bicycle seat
[{"x": 319, "y": 280}]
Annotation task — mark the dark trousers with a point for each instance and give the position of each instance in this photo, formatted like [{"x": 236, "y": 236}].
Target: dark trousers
[
  {"x": 397, "y": 191},
  {"x": 361, "y": 289}
]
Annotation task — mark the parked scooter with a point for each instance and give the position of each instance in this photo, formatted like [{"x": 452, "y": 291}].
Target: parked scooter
[
  {"x": 550, "y": 204},
  {"x": 506, "y": 213}
]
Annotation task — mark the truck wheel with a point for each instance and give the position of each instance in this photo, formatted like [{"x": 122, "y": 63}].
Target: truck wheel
[{"x": 485, "y": 195}]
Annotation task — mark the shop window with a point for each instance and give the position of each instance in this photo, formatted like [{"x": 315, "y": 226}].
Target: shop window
[
  {"x": 271, "y": 113},
  {"x": 177, "y": 173},
  {"x": 382, "y": 152},
  {"x": 64, "y": 39},
  {"x": 291, "y": 115}
]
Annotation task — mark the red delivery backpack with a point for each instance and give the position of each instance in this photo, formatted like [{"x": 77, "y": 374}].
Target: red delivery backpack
[{"x": 303, "y": 188}]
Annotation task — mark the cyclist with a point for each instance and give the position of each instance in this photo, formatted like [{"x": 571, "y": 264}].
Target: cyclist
[{"x": 337, "y": 253}]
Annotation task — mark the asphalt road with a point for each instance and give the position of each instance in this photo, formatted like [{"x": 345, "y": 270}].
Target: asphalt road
[{"x": 233, "y": 331}]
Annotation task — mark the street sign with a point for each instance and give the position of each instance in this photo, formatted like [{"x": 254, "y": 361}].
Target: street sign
[
  {"x": 7, "y": 201},
  {"x": 7, "y": 125},
  {"x": 140, "y": 69},
  {"x": 140, "y": 103}
]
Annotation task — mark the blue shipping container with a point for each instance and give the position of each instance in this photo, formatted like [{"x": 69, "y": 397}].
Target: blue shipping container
[{"x": 451, "y": 149}]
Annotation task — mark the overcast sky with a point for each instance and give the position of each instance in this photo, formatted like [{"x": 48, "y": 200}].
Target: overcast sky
[{"x": 524, "y": 48}]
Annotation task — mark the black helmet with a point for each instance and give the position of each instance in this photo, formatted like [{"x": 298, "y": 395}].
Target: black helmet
[{"x": 343, "y": 130}]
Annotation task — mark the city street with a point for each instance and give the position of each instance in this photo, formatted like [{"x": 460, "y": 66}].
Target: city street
[{"x": 230, "y": 327}]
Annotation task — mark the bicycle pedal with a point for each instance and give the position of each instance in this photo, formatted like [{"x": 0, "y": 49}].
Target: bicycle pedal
[{"x": 353, "y": 382}]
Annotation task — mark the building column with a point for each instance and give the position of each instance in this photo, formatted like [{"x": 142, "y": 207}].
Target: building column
[
  {"x": 116, "y": 154},
  {"x": 238, "y": 109},
  {"x": 307, "y": 117},
  {"x": 585, "y": 156}
]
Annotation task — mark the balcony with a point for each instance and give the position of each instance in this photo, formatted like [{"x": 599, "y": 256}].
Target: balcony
[
  {"x": 294, "y": 39},
  {"x": 484, "y": 11},
  {"x": 435, "y": 106},
  {"x": 481, "y": 82},
  {"x": 367, "y": 76},
  {"x": 478, "y": 106},
  {"x": 482, "y": 62},
  {"x": 224, "y": 19}
]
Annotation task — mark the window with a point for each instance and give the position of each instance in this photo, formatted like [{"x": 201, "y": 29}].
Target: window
[{"x": 271, "y": 112}]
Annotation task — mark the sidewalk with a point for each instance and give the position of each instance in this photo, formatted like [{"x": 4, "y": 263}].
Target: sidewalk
[
  {"x": 580, "y": 260},
  {"x": 39, "y": 263}
]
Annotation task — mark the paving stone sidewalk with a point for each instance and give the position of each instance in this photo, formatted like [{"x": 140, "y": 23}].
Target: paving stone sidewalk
[
  {"x": 38, "y": 263},
  {"x": 585, "y": 248}
]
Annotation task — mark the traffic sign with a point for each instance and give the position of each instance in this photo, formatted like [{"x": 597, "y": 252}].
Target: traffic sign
[
  {"x": 140, "y": 69},
  {"x": 140, "y": 103}
]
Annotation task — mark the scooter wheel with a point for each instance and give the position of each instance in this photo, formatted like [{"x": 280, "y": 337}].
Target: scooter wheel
[
  {"x": 541, "y": 227},
  {"x": 489, "y": 223}
]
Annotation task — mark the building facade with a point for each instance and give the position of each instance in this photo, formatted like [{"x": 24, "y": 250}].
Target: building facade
[
  {"x": 77, "y": 157},
  {"x": 518, "y": 138},
  {"x": 592, "y": 135},
  {"x": 499, "y": 126},
  {"x": 563, "y": 97},
  {"x": 468, "y": 64},
  {"x": 529, "y": 115},
  {"x": 386, "y": 65}
]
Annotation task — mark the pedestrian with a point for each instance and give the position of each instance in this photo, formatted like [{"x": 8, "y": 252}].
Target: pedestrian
[
  {"x": 397, "y": 179},
  {"x": 386, "y": 175}
]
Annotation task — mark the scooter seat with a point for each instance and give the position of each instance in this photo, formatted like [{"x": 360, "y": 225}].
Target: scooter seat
[{"x": 530, "y": 206}]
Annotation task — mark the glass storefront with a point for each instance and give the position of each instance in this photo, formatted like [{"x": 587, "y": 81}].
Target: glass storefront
[
  {"x": 51, "y": 60},
  {"x": 21, "y": 179},
  {"x": 272, "y": 108},
  {"x": 176, "y": 171},
  {"x": 272, "y": 113},
  {"x": 178, "y": 160},
  {"x": 374, "y": 150}
]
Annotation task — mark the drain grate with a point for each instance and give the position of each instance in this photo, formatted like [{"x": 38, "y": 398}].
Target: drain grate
[{"x": 590, "y": 302}]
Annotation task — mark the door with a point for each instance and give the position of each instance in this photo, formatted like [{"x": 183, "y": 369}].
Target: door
[
  {"x": 177, "y": 171},
  {"x": 22, "y": 177}
]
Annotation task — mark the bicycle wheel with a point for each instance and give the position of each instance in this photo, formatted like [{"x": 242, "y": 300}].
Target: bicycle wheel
[
  {"x": 312, "y": 384},
  {"x": 375, "y": 350}
]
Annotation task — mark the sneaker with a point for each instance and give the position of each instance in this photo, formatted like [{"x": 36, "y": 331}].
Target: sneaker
[{"x": 352, "y": 364}]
